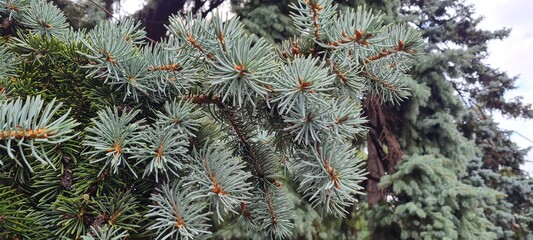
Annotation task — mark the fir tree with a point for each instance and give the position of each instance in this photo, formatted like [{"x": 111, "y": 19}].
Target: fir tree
[{"x": 106, "y": 136}]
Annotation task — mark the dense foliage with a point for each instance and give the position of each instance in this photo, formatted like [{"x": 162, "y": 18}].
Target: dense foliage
[
  {"x": 210, "y": 130},
  {"x": 445, "y": 125}
]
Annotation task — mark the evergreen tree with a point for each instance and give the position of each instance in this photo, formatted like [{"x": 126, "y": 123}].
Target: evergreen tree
[
  {"x": 444, "y": 125},
  {"x": 499, "y": 168},
  {"x": 448, "y": 114},
  {"x": 105, "y": 136}
]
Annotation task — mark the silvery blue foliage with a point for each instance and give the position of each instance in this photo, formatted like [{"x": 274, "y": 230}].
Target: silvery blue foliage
[{"x": 211, "y": 123}]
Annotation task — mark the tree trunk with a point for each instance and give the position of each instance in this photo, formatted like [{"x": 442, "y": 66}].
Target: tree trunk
[
  {"x": 384, "y": 151},
  {"x": 374, "y": 166}
]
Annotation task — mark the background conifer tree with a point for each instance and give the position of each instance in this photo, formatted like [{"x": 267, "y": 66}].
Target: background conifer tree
[
  {"x": 106, "y": 136},
  {"x": 463, "y": 72}
]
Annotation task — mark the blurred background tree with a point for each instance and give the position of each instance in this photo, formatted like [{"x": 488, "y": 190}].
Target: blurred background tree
[{"x": 154, "y": 15}]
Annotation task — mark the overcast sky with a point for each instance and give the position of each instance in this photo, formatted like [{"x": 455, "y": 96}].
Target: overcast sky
[{"x": 513, "y": 55}]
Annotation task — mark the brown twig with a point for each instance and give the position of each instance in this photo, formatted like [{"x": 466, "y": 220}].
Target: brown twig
[
  {"x": 315, "y": 8},
  {"x": 383, "y": 83},
  {"x": 358, "y": 37},
  {"x": 337, "y": 71},
  {"x": 198, "y": 46},
  {"x": 271, "y": 209},
  {"x": 19, "y": 133}
]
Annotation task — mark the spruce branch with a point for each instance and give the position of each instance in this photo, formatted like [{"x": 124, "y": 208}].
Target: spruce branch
[
  {"x": 164, "y": 149},
  {"x": 113, "y": 136},
  {"x": 269, "y": 195},
  {"x": 12, "y": 8},
  {"x": 221, "y": 177},
  {"x": 16, "y": 220},
  {"x": 8, "y": 61},
  {"x": 388, "y": 82},
  {"x": 193, "y": 31},
  {"x": 300, "y": 81},
  {"x": 70, "y": 216},
  {"x": 131, "y": 31},
  {"x": 229, "y": 114},
  {"x": 347, "y": 78},
  {"x": 454, "y": 202},
  {"x": 226, "y": 31},
  {"x": 204, "y": 99},
  {"x": 263, "y": 162},
  {"x": 245, "y": 217},
  {"x": 118, "y": 210},
  {"x": 43, "y": 18},
  {"x": 345, "y": 119},
  {"x": 173, "y": 66},
  {"x": 15, "y": 174},
  {"x": 5, "y": 89},
  {"x": 243, "y": 72},
  {"x": 182, "y": 115},
  {"x": 296, "y": 107},
  {"x": 134, "y": 79},
  {"x": 329, "y": 175},
  {"x": 109, "y": 45},
  {"x": 400, "y": 43},
  {"x": 294, "y": 48},
  {"x": 313, "y": 17},
  {"x": 89, "y": 180},
  {"x": 177, "y": 214},
  {"x": 50, "y": 183},
  {"x": 273, "y": 211},
  {"x": 389, "y": 85},
  {"x": 29, "y": 126},
  {"x": 309, "y": 125},
  {"x": 358, "y": 27},
  {"x": 105, "y": 233}
]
